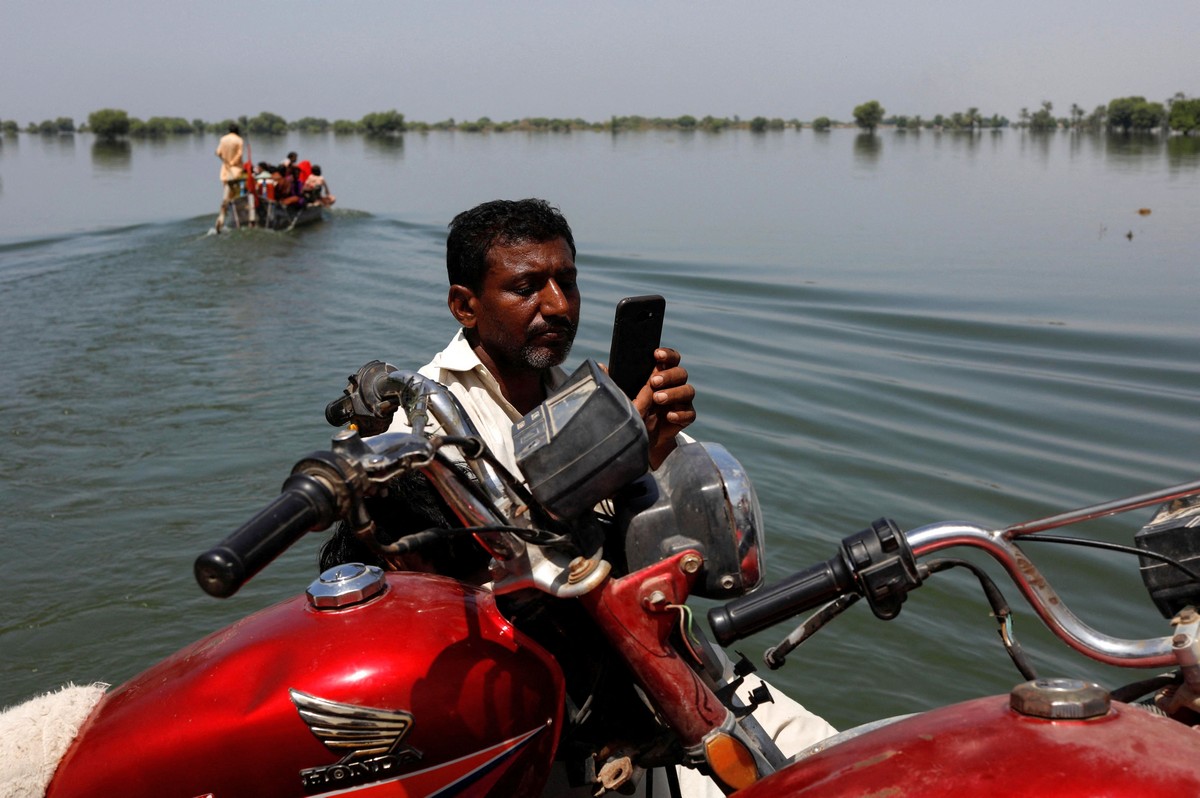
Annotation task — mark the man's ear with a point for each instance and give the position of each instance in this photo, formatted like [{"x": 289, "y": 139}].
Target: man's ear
[{"x": 462, "y": 304}]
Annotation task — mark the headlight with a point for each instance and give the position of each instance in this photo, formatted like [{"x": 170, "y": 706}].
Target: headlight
[{"x": 700, "y": 498}]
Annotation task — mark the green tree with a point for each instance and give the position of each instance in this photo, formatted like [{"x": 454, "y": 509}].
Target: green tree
[
  {"x": 1043, "y": 119},
  {"x": 821, "y": 123},
  {"x": 222, "y": 127},
  {"x": 1077, "y": 114},
  {"x": 480, "y": 125},
  {"x": 1148, "y": 116},
  {"x": 10, "y": 127},
  {"x": 758, "y": 124},
  {"x": 159, "y": 126},
  {"x": 343, "y": 127},
  {"x": 311, "y": 124},
  {"x": 1184, "y": 115},
  {"x": 868, "y": 115},
  {"x": 267, "y": 124},
  {"x": 713, "y": 124},
  {"x": 384, "y": 123},
  {"x": 65, "y": 124},
  {"x": 47, "y": 127},
  {"x": 109, "y": 123},
  {"x": 686, "y": 122},
  {"x": 1120, "y": 112}
]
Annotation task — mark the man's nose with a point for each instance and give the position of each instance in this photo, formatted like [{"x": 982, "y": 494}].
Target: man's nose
[{"x": 554, "y": 301}]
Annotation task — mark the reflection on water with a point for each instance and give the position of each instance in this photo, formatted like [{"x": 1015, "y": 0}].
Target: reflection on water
[
  {"x": 112, "y": 155},
  {"x": 1132, "y": 148},
  {"x": 60, "y": 143},
  {"x": 389, "y": 146},
  {"x": 1183, "y": 152},
  {"x": 1037, "y": 144},
  {"x": 867, "y": 147}
]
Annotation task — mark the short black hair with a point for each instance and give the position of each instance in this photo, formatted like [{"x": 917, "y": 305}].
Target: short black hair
[
  {"x": 233, "y": 128},
  {"x": 473, "y": 233}
]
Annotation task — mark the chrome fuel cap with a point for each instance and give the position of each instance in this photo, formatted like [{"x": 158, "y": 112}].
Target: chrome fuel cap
[
  {"x": 1060, "y": 699},
  {"x": 346, "y": 585}
]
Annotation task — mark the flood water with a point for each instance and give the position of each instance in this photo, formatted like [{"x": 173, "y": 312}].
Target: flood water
[{"x": 986, "y": 328}]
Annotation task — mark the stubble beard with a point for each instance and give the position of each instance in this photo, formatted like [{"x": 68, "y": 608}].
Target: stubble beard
[
  {"x": 544, "y": 357},
  {"x": 540, "y": 357}
]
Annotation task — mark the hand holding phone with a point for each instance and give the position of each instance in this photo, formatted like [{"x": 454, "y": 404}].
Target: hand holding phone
[{"x": 637, "y": 329}]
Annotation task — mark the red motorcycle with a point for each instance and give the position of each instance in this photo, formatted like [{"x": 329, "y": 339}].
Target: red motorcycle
[{"x": 570, "y": 639}]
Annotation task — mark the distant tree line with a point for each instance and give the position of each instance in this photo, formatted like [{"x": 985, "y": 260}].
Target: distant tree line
[{"x": 1124, "y": 114}]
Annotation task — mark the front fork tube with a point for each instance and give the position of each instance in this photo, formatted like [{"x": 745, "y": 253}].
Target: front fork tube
[{"x": 637, "y": 613}]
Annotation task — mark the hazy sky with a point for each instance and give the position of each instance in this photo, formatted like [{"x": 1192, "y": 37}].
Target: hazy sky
[{"x": 467, "y": 58}]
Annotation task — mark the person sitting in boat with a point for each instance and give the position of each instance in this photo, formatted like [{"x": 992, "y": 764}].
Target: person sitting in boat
[
  {"x": 286, "y": 192},
  {"x": 316, "y": 189}
]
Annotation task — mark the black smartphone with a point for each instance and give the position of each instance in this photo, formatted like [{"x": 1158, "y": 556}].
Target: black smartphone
[{"x": 637, "y": 328}]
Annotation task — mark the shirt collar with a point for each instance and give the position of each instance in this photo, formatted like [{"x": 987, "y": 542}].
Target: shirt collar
[{"x": 458, "y": 356}]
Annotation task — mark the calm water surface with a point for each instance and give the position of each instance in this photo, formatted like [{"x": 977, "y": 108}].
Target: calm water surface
[{"x": 929, "y": 327}]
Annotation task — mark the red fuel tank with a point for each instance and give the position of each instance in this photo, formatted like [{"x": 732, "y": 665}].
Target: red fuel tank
[
  {"x": 986, "y": 749},
  {"x": 423, "y": 687}
]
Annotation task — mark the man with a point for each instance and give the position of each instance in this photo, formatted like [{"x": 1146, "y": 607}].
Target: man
[
  {"x": 514, "y": 291},
  {"x": 229, "y": 150}
]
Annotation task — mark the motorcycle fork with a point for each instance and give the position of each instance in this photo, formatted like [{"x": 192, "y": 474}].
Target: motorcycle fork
[{"x": 637, "y": 614}]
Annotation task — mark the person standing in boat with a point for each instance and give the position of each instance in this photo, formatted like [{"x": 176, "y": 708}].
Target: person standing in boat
[{"x": 230, "y": 150}]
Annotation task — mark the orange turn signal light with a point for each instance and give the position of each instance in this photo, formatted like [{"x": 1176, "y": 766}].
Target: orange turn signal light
[{"x": 731, "y": 762}]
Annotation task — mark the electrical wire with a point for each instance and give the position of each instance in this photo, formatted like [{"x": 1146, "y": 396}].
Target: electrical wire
[
  {"x": 685, "y": 629},
  {"x": 1106, "y": 546}
]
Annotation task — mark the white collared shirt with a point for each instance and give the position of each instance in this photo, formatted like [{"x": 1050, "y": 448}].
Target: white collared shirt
[{"x": 459, "y": 369}]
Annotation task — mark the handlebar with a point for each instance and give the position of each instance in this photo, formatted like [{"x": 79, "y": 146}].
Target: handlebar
[
  {"x": 1148, "y": 653},
  {"x": 800, "y": 592},
  {"x": 307, "y": 503},
  {"x": 875, "y": 563},
  {"x": 847, "y": 574}
]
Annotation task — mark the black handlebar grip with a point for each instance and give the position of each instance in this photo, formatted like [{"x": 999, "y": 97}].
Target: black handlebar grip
[
  {"x": 801, "y": 591},
  {"x": 306, "y": 504}
]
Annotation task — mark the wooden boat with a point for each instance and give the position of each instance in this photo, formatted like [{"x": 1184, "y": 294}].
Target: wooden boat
[{"x": 272, "y": 215}]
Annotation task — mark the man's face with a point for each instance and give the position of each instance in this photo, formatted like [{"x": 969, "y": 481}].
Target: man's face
[{"x": 527, "y": 308}]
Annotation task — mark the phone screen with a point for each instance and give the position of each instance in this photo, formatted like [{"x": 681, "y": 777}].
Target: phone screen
[{"x": 637, "y": 329}]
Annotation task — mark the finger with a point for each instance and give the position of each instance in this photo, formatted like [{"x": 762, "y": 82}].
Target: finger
[
  {"x": 678, "y": 395},
  {"x": 672, "y": 376},
  {"x": 681, "y": 418},
  {"x": 666, "y": 358}
]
